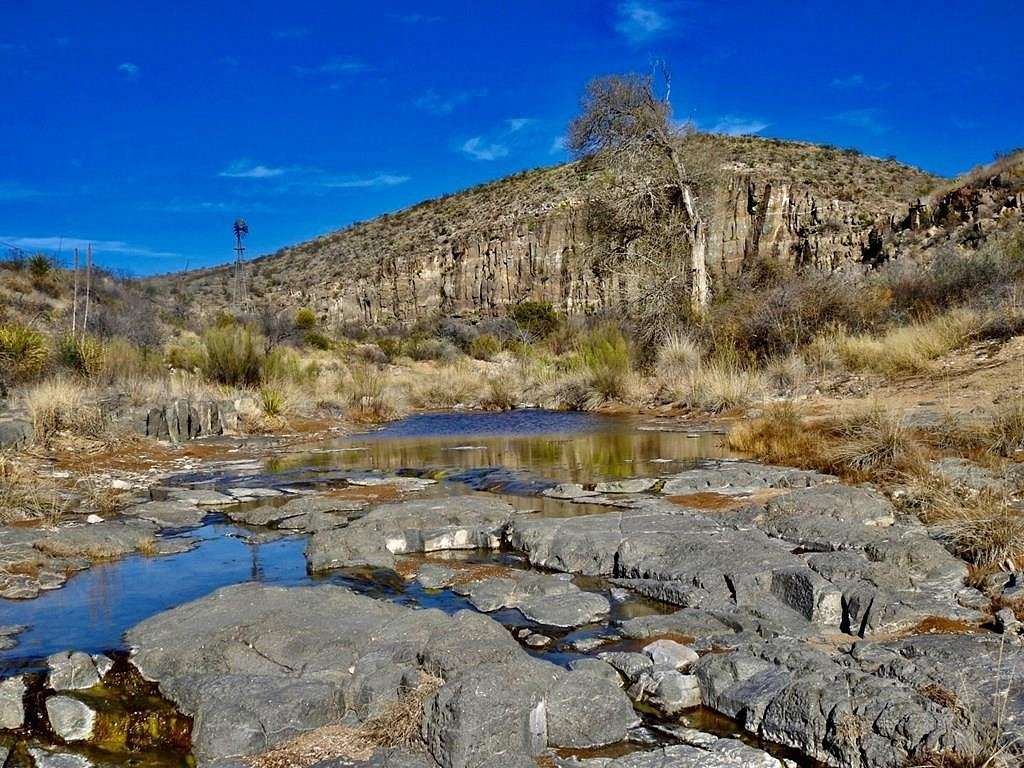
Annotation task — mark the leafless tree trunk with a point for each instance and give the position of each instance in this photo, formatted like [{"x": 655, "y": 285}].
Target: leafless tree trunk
[
  {"x": 74, "y": 307},
  {"x": 88, "y": 287}
]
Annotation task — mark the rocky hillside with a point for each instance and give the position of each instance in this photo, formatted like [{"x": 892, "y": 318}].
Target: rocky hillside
[{"x": 526, "y": 236}]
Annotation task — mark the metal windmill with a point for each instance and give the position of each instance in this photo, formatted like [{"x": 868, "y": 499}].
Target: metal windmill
[{"x": 241, "y": 229}]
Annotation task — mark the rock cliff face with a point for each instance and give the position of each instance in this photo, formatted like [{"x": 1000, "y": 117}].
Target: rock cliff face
[{"x": 528, "y": 237}]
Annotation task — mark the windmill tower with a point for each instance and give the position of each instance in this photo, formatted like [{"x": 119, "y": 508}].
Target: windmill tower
[{"x": 241, "y": 229}]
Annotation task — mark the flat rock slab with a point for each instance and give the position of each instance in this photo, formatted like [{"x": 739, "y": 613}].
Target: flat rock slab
[
  {"x": 255, "y": 665},
  {"x": 740, "y": 477},
  {"x": 551, "y": 600},
  {"x": 99, "y": 541},
  {"x": 169, "y": 514},
  {"x": 427, "y": 525}
]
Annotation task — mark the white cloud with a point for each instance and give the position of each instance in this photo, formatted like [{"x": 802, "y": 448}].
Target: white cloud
[
  {"x": 480, "y": 149},
  {"x": 868, "y": 119},
  {"x": 129, "y": 70},
  {"x": 557, "y": 145},
  {"x": 244, "y": 169},
  {"x": 731, "y": 125},
  {"x": 338, "y": 65},
  {"x": 438, "y": 104},
  {"x": 516, "y": 124},
  {"x": 66, "y": 244},
  {"x": 641, "y": 20},
  {"x": 380, "y": 180}
]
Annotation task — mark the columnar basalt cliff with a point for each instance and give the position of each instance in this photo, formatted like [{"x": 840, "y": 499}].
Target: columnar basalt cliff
[{"x": 529, "y": 237}]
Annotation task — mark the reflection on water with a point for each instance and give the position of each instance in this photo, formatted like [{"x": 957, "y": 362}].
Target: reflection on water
[{"x": 560, "y": 446}]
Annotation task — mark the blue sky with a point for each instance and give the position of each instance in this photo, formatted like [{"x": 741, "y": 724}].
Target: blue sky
[{"x": 147, "y": 128}]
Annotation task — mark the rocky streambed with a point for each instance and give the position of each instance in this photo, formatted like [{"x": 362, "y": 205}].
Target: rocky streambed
[{"x": 595, "y": 600}]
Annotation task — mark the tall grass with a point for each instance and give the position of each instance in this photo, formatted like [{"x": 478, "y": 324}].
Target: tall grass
[
  {"x": 910, "y": 348},
  {"x": 234, "y": 355},
  {"x": 58, "y": 405},
  {"x": 603, "y": 356}
]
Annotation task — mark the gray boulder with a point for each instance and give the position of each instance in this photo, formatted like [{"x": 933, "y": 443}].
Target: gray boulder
[
  {"x": 70, "y": 719},
  {"x": 12, "y": 703}
]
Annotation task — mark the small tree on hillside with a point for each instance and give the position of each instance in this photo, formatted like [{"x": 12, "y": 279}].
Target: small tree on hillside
[{"x": 645, "y": 205}]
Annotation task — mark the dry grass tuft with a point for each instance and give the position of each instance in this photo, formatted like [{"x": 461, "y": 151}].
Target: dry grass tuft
[
  {"x": 397, "y": 724},
  {"x": 24, "y": 495},
  {"x": 780, "y": 436},
  {"x": 1005, "y": 435},
  {"x": 875, "y": 444},
  {"x": 58, "y": 405},
  {"x": 910, "y": 348},
  {"x": 982, "y": 527}
]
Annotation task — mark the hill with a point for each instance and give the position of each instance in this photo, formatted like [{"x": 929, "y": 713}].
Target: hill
[{"x": 526, "y": 236}]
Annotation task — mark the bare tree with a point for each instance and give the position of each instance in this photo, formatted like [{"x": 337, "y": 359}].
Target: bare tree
[{"x": 626, "y": 129}]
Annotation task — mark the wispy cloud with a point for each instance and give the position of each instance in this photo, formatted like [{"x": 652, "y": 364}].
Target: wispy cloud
[
  {"x": 179, "y": 205},
  {"x": 733, "y": 125},
  {"x": 129, "y": 70},
  {"x": 444, "y": 104},
  {"x": 291, "y": 33},
  {"x": 480, "y": 149},
  {"x": 245, "y": 169},
  {"x": 356, "y": 182},
  {"x": 499, "y": 144},
  {"x": 850, "y": 81},
  {"x": 337, "y": 65},
  {"x": 557, "y": 145},
  {"x": 69, "y": 243},
  {"x": 12, "y": 190},
  {"x": 868, "y": 119},
  {"x": 640, "y": 20}
]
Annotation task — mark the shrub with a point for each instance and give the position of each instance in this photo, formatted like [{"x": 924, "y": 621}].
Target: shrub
[
  {"x": 909, "y": 349},
  {"x": 124, "y": 361},
  {"x": 82, "y": 354},
  {"x": 604, "y": 356},
  {"x": 367, "y": 395},
  {"x": 305, "y": 319},
  {"x": 677, "y": 356},
  {"x": 24, "y": 353},
  {"x": 318, "y": 340},
  {"x": 234, "y": 355},
  {"x": 484, "y": 347},
  {"x": 431, "y": 349},
  {"x": 1005, "y": 435},
  {"x": 537, "y": 319},
  {"x": 284, "y": 364},
  {"x": 39, "y": 265},
  {"x": 187, "y": 354},
  {"x": 500, "y": 395}
]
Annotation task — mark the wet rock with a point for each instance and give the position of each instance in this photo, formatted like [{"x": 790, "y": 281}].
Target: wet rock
[
  {"x": 633, "y": 485},
  {"x": 203, "y": 497},
  {"x": 169, "y": 514},
  {"x": 568, "y": 492},
  {"x": 405, "y": 484},
  {"x": 673, "y": 692},
  {"x": 102, "y": 541},
  {"x": 689, "y": 622},
  {"x": 535, "y": 640},
  {"x": 8, "y": 635},
  {"x": 309, "y": 513},
  {"x": 584, "y": 709},
  {"x": 48, "y": 758},
  {"x": 711, "y": 753},
  {"x": 630, "y": 665},
  {"x": 12, "y": 703},
  {"x": 70, "y": 719},
  {"x": 668, "y": 654},
  {"x": 72, "y": 671},
  {"x": 409, "y": 527},
  {"x": 432, "y": 576}
]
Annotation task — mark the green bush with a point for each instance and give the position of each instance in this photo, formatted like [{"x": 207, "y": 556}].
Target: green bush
[
  {"x": 186, "y": 355},
  {"x": 537, "y": 319},
  {"x": 284, "y": 364},
  {"x": 23, "y": 353},
  {"x": 83, "y": 355},
  {"x": 234, "y": 355},
  {"x": 305, "y": 319},
  {"x": 484, "y": 347},
  {"x": 40, "y": 265},
  {"x": 317, "y": 340},
  {"x": 604, "y": 356}
]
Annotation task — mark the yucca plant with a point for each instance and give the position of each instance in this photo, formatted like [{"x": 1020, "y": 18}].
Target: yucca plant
[
  {"x": 24, "y": 352},
  {"x": 82, "y": 354}
]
